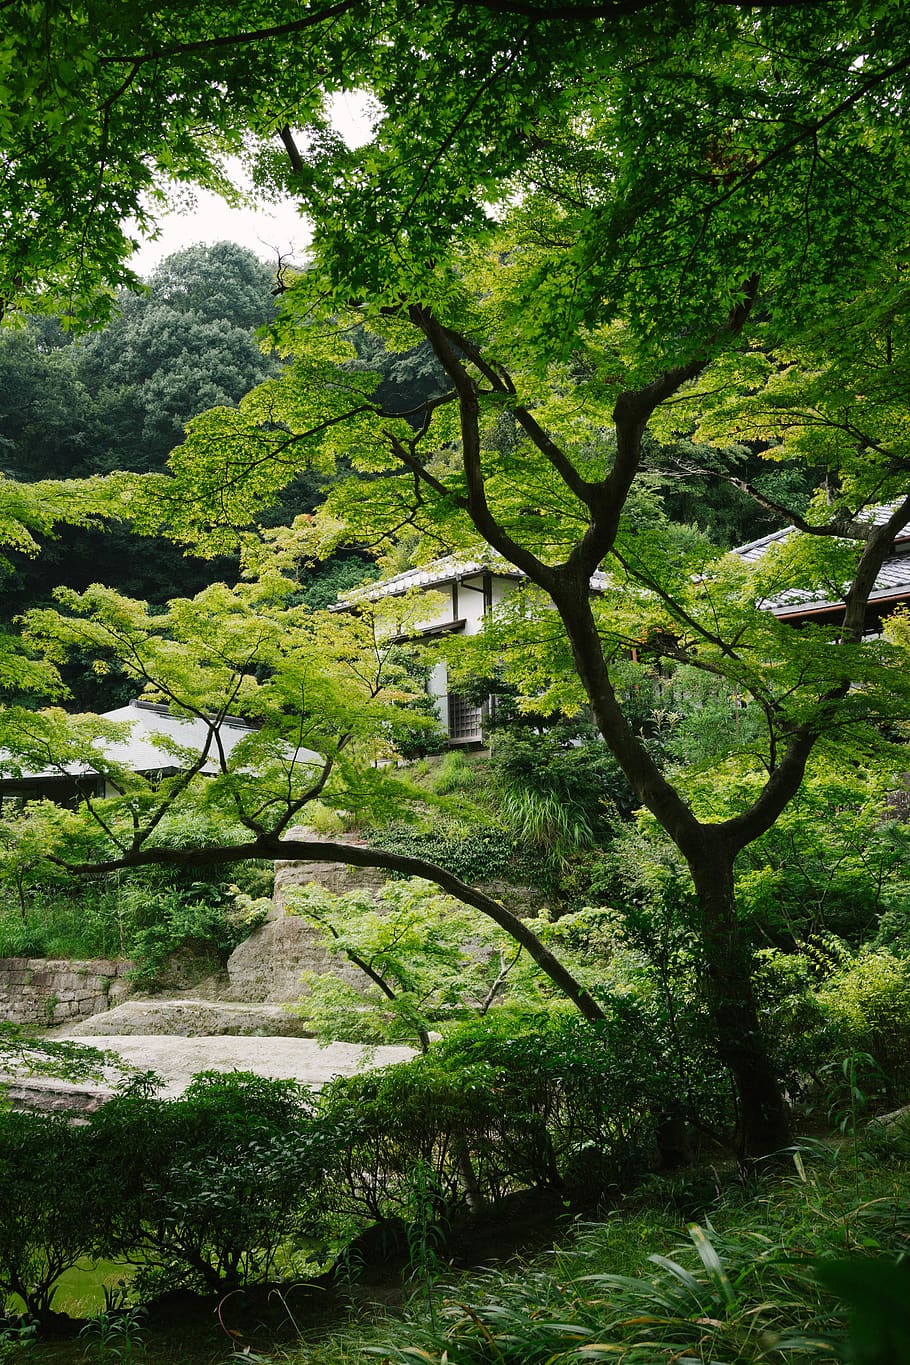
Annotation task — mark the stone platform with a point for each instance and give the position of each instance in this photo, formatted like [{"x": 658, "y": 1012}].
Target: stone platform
[
  {"x": 177, "y": 1059},
  {"x": 188, "y": 1016}
]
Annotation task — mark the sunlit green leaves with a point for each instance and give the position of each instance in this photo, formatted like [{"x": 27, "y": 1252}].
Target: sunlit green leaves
[
  {"x": 39, "y": 507},
  {"x": 320, "y": 692}
]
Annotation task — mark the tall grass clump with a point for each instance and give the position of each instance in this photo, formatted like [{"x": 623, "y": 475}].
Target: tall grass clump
[
  {"x": 455, "y": 772},
  {"x": 545, "y": 820}
]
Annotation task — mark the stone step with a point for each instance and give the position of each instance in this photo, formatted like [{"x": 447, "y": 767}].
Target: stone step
[{"x": 189, "y": 1017}]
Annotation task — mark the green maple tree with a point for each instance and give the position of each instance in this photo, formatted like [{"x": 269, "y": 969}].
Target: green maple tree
[{"x": 593, "y": 215}]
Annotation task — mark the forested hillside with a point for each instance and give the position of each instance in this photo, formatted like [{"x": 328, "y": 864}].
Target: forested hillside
[{"x": 119, "y": 399}]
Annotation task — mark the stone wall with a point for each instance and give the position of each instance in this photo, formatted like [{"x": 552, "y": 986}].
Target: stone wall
[{"x": 50, "y": 991}]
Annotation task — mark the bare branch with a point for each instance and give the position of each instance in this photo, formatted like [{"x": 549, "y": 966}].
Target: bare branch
[{"x": 501, "y": 382}]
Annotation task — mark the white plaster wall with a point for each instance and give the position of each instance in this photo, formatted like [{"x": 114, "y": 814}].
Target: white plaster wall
[
  {"x": 471, "y": 611},
  {"x": 470, "y": 604}
]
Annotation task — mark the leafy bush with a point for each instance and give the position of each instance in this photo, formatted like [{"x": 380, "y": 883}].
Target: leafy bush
[
  {"x": 391, "y": 1122},
  {"x": 204, "y": 918},
  {"x": 207, "y": 1189},
  {"x": 417, "y": 730},
  {"x": 500, "y": 1104},
  {"x": 567, "y": 767},
  {"x": 577, "y": 1103},
  {"x": 868, "y": 1003},
  {"x": 801, "y": 1036},
  {"x": 204, "y": 1192},
  {"x": 839, "y": 1021},
  {"x": 48, "y": 1208},
  {"x": 144, "y": 915},
  {"x": 475, "y": 854}
]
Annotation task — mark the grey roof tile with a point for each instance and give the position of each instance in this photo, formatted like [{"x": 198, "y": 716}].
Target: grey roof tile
[
  {"x": 438, "y": 573},
  {"x": 140, "y": 752},
  {"x": 892, "y": 583}
]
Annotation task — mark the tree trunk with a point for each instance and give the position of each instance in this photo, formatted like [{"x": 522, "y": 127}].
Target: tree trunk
[
  {"x": 710, "y": 851},
  {"x": 764, "y": 1125}
]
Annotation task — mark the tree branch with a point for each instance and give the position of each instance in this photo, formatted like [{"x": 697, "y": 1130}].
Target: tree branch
[
  {"x": 293, "y": 151},
  {"x": 476, "y": 504},
  {"x": 631, "y": 412},
  {"x": 786, "y": 778},
  {"x": 312, "y": 850},
  {"x": 225, "y": 40},
  {"x": 607, "y": 9},
  {"x": 502, "y": 383},
  {"x": 849, "y": 529}
]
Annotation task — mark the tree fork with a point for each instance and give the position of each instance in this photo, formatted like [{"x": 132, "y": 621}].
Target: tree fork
[{"x": 764, "y": 1125}]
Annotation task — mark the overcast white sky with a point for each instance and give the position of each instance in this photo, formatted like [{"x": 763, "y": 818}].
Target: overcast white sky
[{"x": 269, "y": 230}]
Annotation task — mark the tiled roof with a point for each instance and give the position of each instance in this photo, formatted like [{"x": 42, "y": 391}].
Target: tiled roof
[
  {"x": 755, "y": 549},
  {"x": 892, "y": 583},
  {"x": 440, "y": 572},
  {"x": 149, "y": 722},
  {"x": 141, "y": 754}
]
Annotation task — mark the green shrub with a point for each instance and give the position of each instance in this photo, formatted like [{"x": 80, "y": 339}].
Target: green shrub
[
  {"x": 868, "y": 1003},
  {"x": 502, "y": 1104},
  {"x": 477, "y": 854},
  {"x": 416, "y": 730},
  {"x": 199, "y": 917},
  {"x": 838, "y": 1021},
  {"x": 144, "y": 915},
  {"x": 568, "y": 769},
  {"x": 577, "y": 1103},
  {"x": 801, "y": 1037},
  {"x": 389, "y": 1122},
  {"x": 48, "y": 1205},
  {"x": 206, "y": 1190}
]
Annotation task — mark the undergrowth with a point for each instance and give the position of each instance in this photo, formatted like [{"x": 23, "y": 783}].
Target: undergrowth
[
  {"x": 742, "y": 1282},
  {"x": 144, "y": 916},
  {"x": 706, "y": 1268}
]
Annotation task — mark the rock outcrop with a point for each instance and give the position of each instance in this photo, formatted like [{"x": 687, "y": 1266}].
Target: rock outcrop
[
  {"x": 191, "y": 1017},
  {"x": 268, "y": 965}
]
